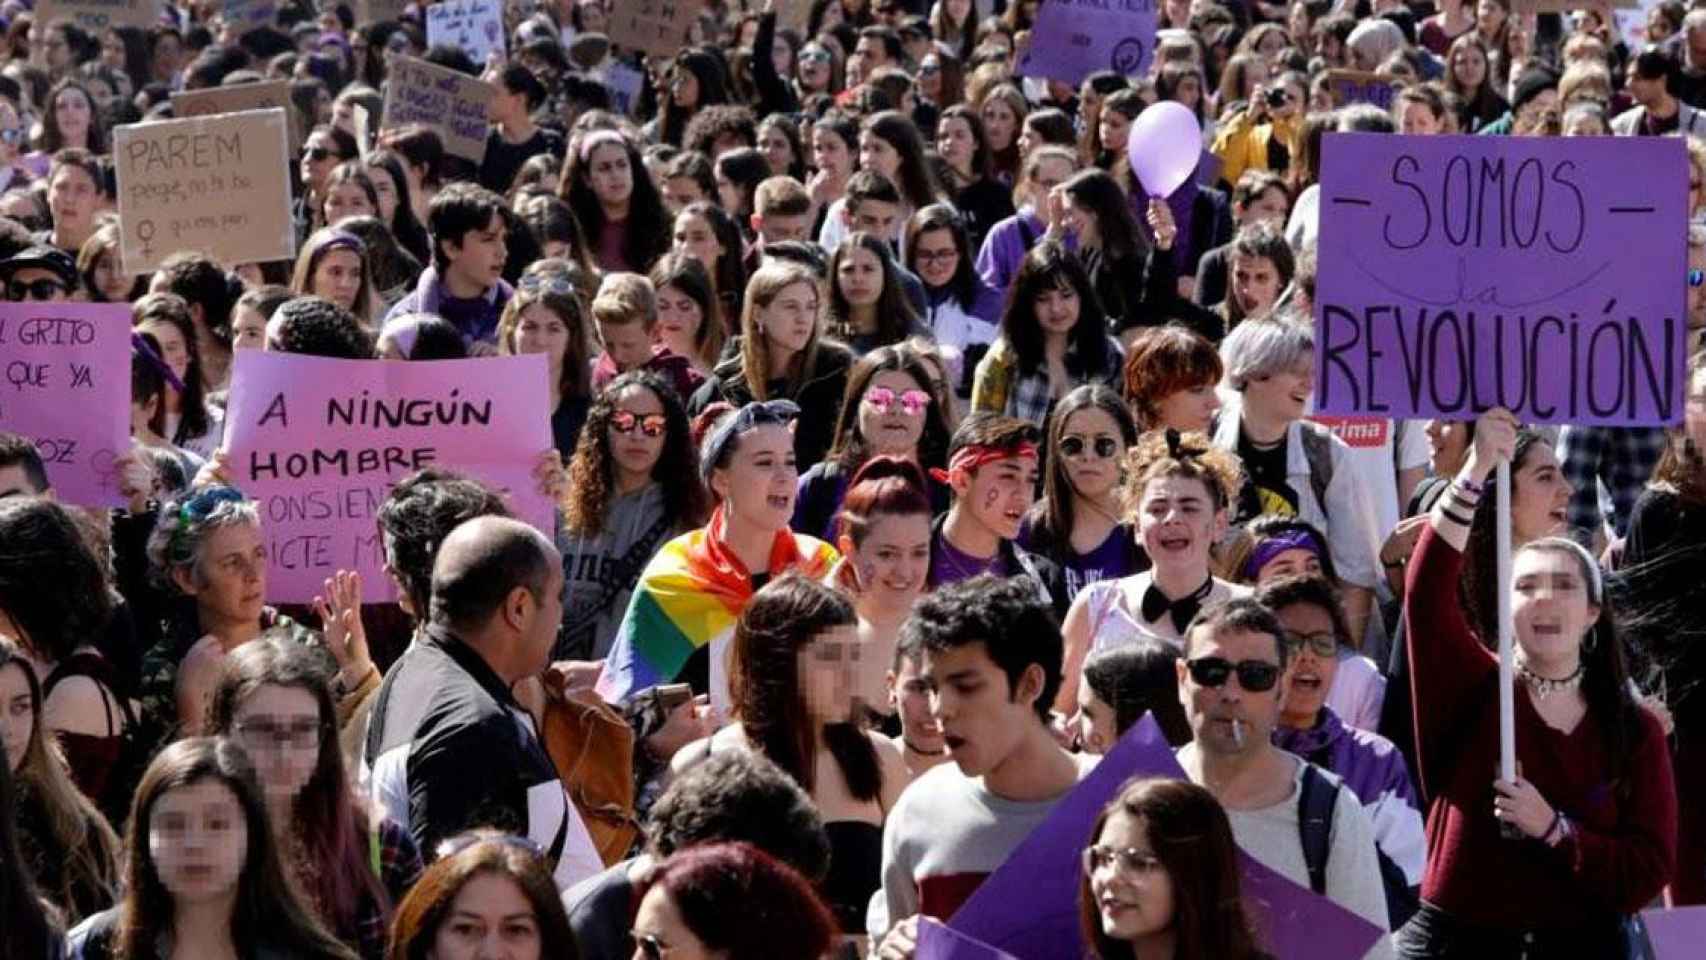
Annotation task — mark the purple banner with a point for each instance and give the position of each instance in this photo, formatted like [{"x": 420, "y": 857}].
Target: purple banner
[
  {"x": 1675, "y": 934},
  {"x": 1073, "y": 38},
  {"x": 66, "y": 370},
  {"x": 319, "y": 443},
  {"x": 1462, "y": 273},
  {"x": 938, "y": 942}
]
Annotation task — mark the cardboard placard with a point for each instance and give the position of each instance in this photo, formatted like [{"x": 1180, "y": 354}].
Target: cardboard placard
[
  {"x": 247, "y": 15},
  {"x": 452, "y": 103},
  {"x": 625, "y": 84},
  {"x": 97, "y": 15},
  {"x": 794, "y": 16},
  {"x": 239, "y": 97},
  {"x": 218, "y": 184},
  {"x": 65, "y": 383},
  {"x": 1462, "y": 273},
  {"x": 1358, "y": 86},
  {"x": 1074, "y": 38},
  {"x": 474, "y": 26},
  {"x": 653, "y": 26},
  {"x": 318, "y": 443},
  {"x": 378, "y": 11}
]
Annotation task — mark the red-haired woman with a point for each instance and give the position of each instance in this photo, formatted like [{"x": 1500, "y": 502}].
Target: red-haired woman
[{"x": 734, "y": 901}]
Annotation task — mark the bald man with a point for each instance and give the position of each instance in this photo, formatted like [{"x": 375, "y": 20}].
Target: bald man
[{"x": 448, "y": 748}]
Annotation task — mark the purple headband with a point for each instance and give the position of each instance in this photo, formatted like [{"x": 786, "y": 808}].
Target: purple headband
[
  {"x": 1277, "y": 544},
  {"x": 140, "y": 343},
  {"x": 343, "y": 239},
  {"x": 599, "y": 138}
]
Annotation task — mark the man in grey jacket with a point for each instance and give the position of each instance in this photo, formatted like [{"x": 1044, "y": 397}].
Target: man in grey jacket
[{"x": 1653, "y": 79}]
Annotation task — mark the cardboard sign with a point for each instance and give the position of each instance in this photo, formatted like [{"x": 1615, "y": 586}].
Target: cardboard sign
[
  {"x": 653, "y": 26},
  {"x": 625, "y": 84},
  {"x": 239, "y": 97},
  {"x": 1357, "y": 86},
  {"x": 318, "y": 444},
  {"x": 1461, "y": 273},
  {"x": 1074, "y": 38},
  {"x": 65, "y": 383},
  {"x": 97, "y": 15},
  {"x": 794, "y": 16},
  {"x": 452, "y": 103},
  {"x": 247, "y": 15},
  {"x": 378, "y": 11},
  {"x": 474, "y": 26},
  {"x": 218, "y": 184}
]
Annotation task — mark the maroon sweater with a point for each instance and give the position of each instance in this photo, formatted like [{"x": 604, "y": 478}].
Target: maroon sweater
[{"x": 1625, "y": 846}]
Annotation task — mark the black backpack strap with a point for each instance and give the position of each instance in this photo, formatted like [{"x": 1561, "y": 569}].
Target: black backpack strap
[{"x": 1316, "y": 797}]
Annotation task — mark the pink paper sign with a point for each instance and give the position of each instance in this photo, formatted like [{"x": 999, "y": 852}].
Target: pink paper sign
[
  {"x": 65, "y": 383},
  {"x": 319, "y": 443}
]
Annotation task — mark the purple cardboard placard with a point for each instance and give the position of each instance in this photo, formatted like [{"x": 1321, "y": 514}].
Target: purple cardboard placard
[
  {"x": 1073, "y": 38},
  {"x": 319, "y": 443},
  {"x": 1029, "y": 907},
  {"x": 939, "y": 942},
  {"x": 66, "y": 385},
  {"x": 1460, "y": 273},
  {"x": 1676, "y": 934}
]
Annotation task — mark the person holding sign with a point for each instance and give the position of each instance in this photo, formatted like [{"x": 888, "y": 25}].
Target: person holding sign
[{"x": 1592, "y": 810}]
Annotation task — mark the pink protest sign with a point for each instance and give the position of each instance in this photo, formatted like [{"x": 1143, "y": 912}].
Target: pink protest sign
[
  {"x": 66, "y": 385},
  {"x": 1462, "y": 273},
  {"x": 319, "y": 443}
]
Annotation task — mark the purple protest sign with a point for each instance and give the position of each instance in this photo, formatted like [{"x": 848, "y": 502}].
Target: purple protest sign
[
  {"x": 938, "y": 942},
  {"x": 318, "y": 443},
  {"x": 1462, "y": 273},
  {"x": 1073, "y": 38},
  {"x": 66, "y": 386},
  {"x": 1029, "y": 907},
  {"x": 1675, "y": 934}
]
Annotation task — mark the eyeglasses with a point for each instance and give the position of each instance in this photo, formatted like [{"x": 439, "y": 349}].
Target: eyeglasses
[
  {"x": 650, "y": 424},
  {"x": 1322, "y": 644},
  {"x": 1253, "y": 675},
  {"x": 650, "y": 946},
  {"x": 300, "y": 734},
  {"x": 316, "y": 154},
  {"x": 927, "y": 68},
  {"x": 1130, "y": 860},
  {"x": 42, "y": 289},
  {"x": 457, "y": 844},
  {"x": 1105, "y": 447},
  {"x": 815, "y": 56},
  {"x": 1696, "y": 277},
  {"x": 912, "y": 402},
  {"x": 935, "y": 256}
]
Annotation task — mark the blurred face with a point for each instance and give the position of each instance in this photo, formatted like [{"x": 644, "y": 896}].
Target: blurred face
[
  {"x": 1551, "y": 605},
  {"x": 1313, "y": 662},
  {"x": 684, "y": 88},
  {"x": 198, "y": 838},
  {"x": 173, "y": 349},
  {"x": 826, "y": 667},
  {"x": 789, "y": 320},
  {"x": 778, "y": 151},
  {"x": 281, "y": 729},
  {"x": 1489, "y": 17},
  {"x": 1282, "y": 396},
  {"x": 815, "y": 62},
  {"x": 73, "y": 112},
  {"x": 859, "y": 277},
  {"x": 610, "y": 175},
  {"x": 1231, "y": 719},
  {"x": 1114, "y": 127},
  {"x": 935, "y": 257},
  {"x": 17, "y": 716},
  {"x": 878, "y": 154},
  {"x": 541, "y": 330},
  {"x": 877, "y": 217},
  {"x": 1470, "y": 67},
  {"x": 679, "y": 319},
  {"x": 909, "y": 695},
  {"x": 954, "y": 141},
  {"x": 892, "y": 412},
  {"x": 1256, "y": 284},
  {"x": 1097, "y": 729},
  {"x": 637, "y": 431},
  {"x": 1091, "y": 448},
  {"x": 678, "y": 192},
  {"x": 490, "y": 918},
  {"x": 73, "y": 198},
  {"x": 1057, "y": 310},
  {"x": 1189, "y": 410},
  {"x": 1268, "y": 206},
  {"x": 248, "y": 329},
  {"x": 1050, "y": 173},
  {"x": 337, "y": 277},
  {"x": 894, "y": 558},
  {"x": 694, "y": 237},
  {"x": 1133, "y": 891},
  {"x": 627, "y": 343},
  {"x": 776, "y": 228},
  {"x": 758, "y": 485},
  {"x": 730, "y": 196},
  {"x": 1000, "y": 124},
  {"x": 1178, "y": 522},
  {"x": 112, "y": 282},
  {"x": 230, "y": 580},
  {"x": 1448, "y": 445},
  {"x": 830, "y": 154},
  {"x": 385, "y": 189},
  {"x": 869, "y": 54},
  {"x": 112, "y": 50},
  {"x": 999, "y": 494},
  {"x": 981, "y": 715},
  {"x": 319, "y": 156},
  {"x": 1540, "y": 495},
  {"x": 348, "y": 200},
  {"x": 659, "y": 923},
  {"x": 479, "y": 257}
]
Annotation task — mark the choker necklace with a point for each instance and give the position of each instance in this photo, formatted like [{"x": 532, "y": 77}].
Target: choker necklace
[
  {"x": 1544, "y": 687},
  {"x": 923, "y": 753}
]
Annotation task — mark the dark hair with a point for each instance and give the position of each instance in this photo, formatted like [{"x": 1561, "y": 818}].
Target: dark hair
[
  {"x": 744, "y": 904},
  {"x": 964, "y": 286},
  {"x": 913, "y": 177},
  {"x": 746, "y": 168},
  {"x": 1052, "y": 519},
  {"x": 708, "y": 71},
  {"x": 1013, "y": 623},
  {"x": 32, "y": 922},
  {"x": 317, "y": 327},
  {"x": 267, "y": 909},
  {"x": 419, "y": 146},
  {"x": 782, "y": 620},
  {"x": 53, "y": 139},
  {"x": 982, "y": 159},
  {"x": 717, "y": 121},
  {"x": 850, "y": 448},
  {"x": 740, "y": 795},
  {"x": 646, "y": 235},
  {"x": 686, "y": 274},
  {"x": 51, "y": 583},
  {"x": 592, "y": 473},
  {"x": 1050, "y": 266},
  {"x": 416, "y": 516},
  {"x": 894, "y": 314},
  {"x": 331, "y": 825},
  {"x": 20, "y": 451},
  {"x": 202, "y": 282},
  {"x": 458, "y": 210},
  {"x": 1269, "y": 526},
  {"x": 426, "y": 908},
  {"x": 1097, "y": 192},
  {"x": 1138, "y": 678},
  {"x": 1239, "y": 613},
  {"x": 1315, "y": 591},
  {"x": 404, "y": 224},
  {"x": 518, "y": 79},
  {"x": 171, "y": 310},
  {"x": 504, "y": 556},
  {"x": 728, "y": 274},
  {"x": 1191, "y": 835}
]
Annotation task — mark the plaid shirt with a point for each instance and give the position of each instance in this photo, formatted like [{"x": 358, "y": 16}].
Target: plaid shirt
[
  {"x": 1001, "y": 388},
  {"x": 1619, "y": 458}
]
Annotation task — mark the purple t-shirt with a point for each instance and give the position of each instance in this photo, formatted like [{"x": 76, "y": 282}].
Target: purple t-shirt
[{"x": 950, "y": 564}]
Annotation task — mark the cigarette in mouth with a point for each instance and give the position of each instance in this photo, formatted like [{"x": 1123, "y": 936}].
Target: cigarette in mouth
[{"x": 1237, "y": 732}]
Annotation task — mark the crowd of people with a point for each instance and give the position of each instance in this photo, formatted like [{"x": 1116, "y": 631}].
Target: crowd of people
[{"x": 906, "y": 453}]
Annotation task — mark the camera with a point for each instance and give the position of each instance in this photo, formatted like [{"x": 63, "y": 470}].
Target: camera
[{"x": 1276, "y": 97}]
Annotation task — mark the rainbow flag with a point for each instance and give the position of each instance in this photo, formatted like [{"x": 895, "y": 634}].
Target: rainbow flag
[{"x": 689, "y": 596}]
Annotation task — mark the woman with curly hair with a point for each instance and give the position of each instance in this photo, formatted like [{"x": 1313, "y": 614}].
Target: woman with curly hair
[{"x": 633, "y": 484}]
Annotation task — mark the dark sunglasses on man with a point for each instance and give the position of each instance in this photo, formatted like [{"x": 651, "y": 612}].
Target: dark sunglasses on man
[
  {"x": 1256, "y": 676},
  {"x": 43, "y": 288}
]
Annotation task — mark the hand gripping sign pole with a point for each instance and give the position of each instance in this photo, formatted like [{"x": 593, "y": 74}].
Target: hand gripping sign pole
[{"x": 1507, "y": 638}]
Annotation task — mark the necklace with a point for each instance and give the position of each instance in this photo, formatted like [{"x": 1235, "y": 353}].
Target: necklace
[
  {"x": 923, "y": 753},
  {"x": 1544, "y": 687}
]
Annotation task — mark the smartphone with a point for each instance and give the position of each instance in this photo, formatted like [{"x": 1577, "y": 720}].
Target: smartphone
[{"x": 672, "y": 695}]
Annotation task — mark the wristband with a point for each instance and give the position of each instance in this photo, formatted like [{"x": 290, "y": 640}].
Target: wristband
[
  {"x": 1469, "y": 485},
  {"x": 1551, "y": 828}
]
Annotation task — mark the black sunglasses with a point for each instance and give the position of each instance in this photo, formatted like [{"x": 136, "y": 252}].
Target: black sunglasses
[
  {"x": 316, "y": 154},
  {"x": 1105, "y": 447},
  {"x": 650, "y": 946},
  {"x": 42, "y": 289},
  {"x": 1253, "y": 675}
]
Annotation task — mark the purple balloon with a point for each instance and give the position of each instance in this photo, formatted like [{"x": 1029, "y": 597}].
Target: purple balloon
[{"x": 1164, "y": 146}]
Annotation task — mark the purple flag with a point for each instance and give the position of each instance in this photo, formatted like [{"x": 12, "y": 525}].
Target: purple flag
[
  {"x": 1675, "y": 934},
  {"x": 1073, "y": 38},
  {"x": 1461, "y": 273},
  {"x": 938, "y": 942}
]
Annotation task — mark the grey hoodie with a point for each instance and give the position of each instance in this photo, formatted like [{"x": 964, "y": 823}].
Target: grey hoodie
[{"x": 599, "y": 575}]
